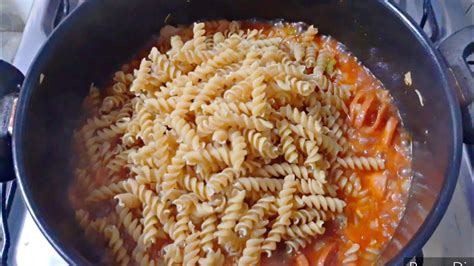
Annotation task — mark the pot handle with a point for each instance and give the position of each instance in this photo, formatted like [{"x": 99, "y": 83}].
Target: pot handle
[
  {"x": 10, "y": 83},
  {"x": 456, "y": 50}
]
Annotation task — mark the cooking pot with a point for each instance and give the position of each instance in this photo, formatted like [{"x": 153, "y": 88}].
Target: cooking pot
[{"x": 38, "y": 120}]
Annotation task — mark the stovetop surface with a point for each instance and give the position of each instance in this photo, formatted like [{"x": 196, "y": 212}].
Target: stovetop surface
[{"x": 453, "y": 237}]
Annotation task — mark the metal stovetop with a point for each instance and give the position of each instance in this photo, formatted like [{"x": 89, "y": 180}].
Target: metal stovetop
[{"x": 453, "y": 237}]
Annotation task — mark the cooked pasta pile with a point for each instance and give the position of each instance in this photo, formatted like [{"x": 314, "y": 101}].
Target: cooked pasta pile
[{"x": 224, "y": 145}]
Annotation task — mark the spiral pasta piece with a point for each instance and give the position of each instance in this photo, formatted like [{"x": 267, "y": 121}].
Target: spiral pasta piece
[
  {"x": 160, "y": 105},
  {"x": 326, "y": 85},
  {"x": 249, "y": 220},
  {"x": 190, "y": 92},
  {"x": 310, "y": 186},
  {"x": 264, "y": 43},
  {"x": 162, "y": 67},
  {"x": 240, "y": 107},
  {"x": 301, "y": 87},
  {"x": 349, "y": 185},
  {"x": 285, "y": 206},
  {"x": 221, "y": 180},
  {"x": 259, "y": 184},
  {"x": 326, "y": 143},
  {"x": 174, "y": 171},
  {"x": 150, "y": 229},
  {"x": 289, "y": 68},
  {"x": 333, "y": 100},
  {"x": 176, "y": 44},
  {"x": 225, "y": 230},
  {"x": 297, "y": 50},
  {"x": 165, "y": 217},
  {"x": 258, "y": 93},
  {"x": 240, "y": 92},
  {"x": 221, "y": 155},
  {"x": 287, "y": 141},
  {"x": 210, "y": 90},
  {"x": 309, "y": 122},
  {"x": 191, "y": 249},
  {"x": 309, "y": 35},
  {"x": 196, "y": 56},
  {"x": 186, "y": 134},
  {"x": 261, "y": 144},
  {"x": 198, "y": 187},
  {"x": 322, "y": 62},
  {"x": 119, "y": 162},
  {"x": 210, "y": 158},
  {"x": 310, "y": 58},
  {"x": 207, "y": 235},
  {"x": 320, "y": 202},
  {"x": 144, "y": 80},
  {"x": 310, "y": 148},
  {"x": 116, "y": 245},
  {"x": 133, "y": 226},
  {"x": 239, "y": 151},
  {"x": 106, "y": 192},
  {"x": 146, "y": 196},
  {"x": 305, "y": 231},
  {"x": 189, "y": 202},
  {"x": 304, "y": 216},
  {"x": 251, "y": 252},
  {"x": 284, "y": 169},
  {"x": 82, "y": 217},
  {"x": 228, "y": 119},
  {"x": 362, "y": 163},
  {"x": 293, "y": 245},
  {"x": 181, "y": 228},
  {"x": 194, "y": 51},
  {"x": 145, "y": 174}
]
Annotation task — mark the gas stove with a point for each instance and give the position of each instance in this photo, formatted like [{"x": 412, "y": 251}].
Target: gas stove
[{"x": 453, "y": 237}]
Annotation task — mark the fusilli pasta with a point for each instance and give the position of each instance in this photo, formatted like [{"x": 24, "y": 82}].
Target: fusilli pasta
[{"x": 227, "y": 140}]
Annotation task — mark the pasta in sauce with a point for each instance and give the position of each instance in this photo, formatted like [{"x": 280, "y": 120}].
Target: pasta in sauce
[{"x": 241, "y": 143}]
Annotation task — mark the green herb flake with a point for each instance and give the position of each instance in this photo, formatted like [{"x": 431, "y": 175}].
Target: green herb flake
[{"x": 330, "y": 66}]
